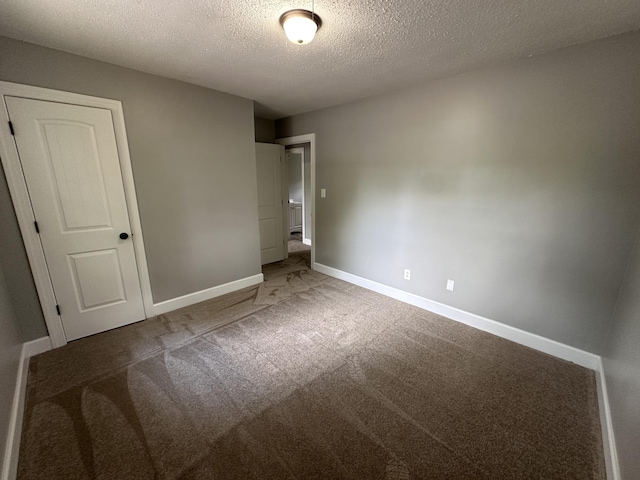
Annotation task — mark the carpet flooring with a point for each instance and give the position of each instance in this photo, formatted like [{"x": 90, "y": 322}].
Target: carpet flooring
[
  {"x": 295, "y": 244},
  {"x": 306, "y": 377}
]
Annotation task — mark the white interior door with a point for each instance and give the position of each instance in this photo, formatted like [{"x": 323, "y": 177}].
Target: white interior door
[
  {"x": 269, "y": 158},
  {"x": 71, "y": 166}
]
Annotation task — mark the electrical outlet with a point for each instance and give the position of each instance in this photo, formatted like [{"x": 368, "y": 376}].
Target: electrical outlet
[
  {"x": 450, "y": 284},
  {"x": 407, "y": 274}
]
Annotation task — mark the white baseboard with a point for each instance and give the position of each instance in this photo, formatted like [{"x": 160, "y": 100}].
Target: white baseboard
[
  {"x": 209, "y": 293},
  {"x": 537, "y": 342},
  {"x": 36, "y": 347},
  {"x": 12, "y": 448},
  {"x": 306, "y": 241},
  {"x": 608, "y": 438}
]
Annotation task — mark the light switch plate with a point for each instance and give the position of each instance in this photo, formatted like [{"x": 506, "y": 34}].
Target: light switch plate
[
  {"x": 450, "y": 284},
  {"x": 323, "y": 193}
]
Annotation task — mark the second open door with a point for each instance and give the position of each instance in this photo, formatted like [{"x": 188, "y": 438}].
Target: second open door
[{"x": 269, "y": 160}]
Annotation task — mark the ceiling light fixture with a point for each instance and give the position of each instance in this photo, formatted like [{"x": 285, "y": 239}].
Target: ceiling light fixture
[{"x": 300, "y": 26}]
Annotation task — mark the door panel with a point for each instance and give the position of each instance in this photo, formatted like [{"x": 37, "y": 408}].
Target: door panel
[
  {"x": 268, "y": 234},
  {"x": 98, "y": 278},
  {"x": 70, "y": 161},
  {"x": 75, "y": 163},
  {"x": 270, "y": 206}
]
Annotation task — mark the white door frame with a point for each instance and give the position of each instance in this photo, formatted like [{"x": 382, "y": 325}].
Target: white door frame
[
  {"x": 300, "y": 150},
  {"x": 22, "y": 203},
  {"x": 309, "y": 138},
  {"x": 285, "y": 205}
]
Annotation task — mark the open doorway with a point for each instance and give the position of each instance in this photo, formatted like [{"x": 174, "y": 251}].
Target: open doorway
[
  {"x": 299, "y": 188},
  {"x": 300, "y": 170}
]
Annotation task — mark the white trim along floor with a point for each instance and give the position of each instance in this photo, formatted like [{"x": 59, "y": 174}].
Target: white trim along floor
[{"x": 12, "y": 448}]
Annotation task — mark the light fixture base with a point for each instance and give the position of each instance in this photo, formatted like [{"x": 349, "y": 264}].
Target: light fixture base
[
  {"x": 296, "y": 23},
  {"x": 299, "y": 12}
]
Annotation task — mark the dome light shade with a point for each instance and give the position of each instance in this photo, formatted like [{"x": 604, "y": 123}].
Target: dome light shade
[{"x": 300, "y": 26}]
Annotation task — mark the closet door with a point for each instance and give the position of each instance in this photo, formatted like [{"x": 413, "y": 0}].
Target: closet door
[{"x": 71, "y": 165}]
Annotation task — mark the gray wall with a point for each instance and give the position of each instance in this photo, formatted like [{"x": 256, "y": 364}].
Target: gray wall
[
  {"x": 193, "y": 158},
  {"x": 10, "y": 346},
  {"x": 519, "y": 182},
  {"x": 13, "y": 259},
  {"x": 265, "y": 130},
  {"x": 621, "y": 360}
]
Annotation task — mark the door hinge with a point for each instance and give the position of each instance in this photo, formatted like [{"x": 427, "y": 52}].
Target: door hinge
[
  {"x": 11, "y": 128},
  {"x": 37, "y": 228},
  {"x": 58, "y": 309}
]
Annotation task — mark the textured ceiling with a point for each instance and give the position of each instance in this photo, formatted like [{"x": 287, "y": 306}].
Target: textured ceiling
[{"x": 364, "y": 47}]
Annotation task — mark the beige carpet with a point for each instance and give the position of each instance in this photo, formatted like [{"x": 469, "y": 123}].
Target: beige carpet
[
  {"x": 306, "y": 377},
  {"x": 296, "y": 245}
]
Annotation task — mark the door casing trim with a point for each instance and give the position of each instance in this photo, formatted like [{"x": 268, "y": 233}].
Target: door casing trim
[
  {"x": 300, "y": 150},
  {"x": 22, "y": 204},
  {"x": 309, "y": 138}
]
